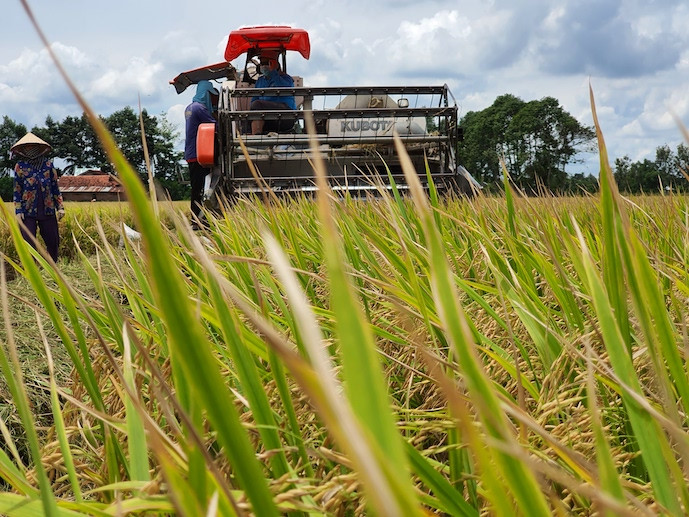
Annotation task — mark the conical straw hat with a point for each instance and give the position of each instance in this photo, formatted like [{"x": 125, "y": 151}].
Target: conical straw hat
[{"x": 30, "y": 138}]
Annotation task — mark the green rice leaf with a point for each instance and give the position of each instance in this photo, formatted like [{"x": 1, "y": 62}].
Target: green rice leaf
[
  {"x": 14, "y": 505},
  {"x": 520, "y": 481},
  {"x": 136, "y": 433},
  {"x": 646, "y": 430},
  {"x": 11, "y": 369},
  {"x": 452, "y": 501}
]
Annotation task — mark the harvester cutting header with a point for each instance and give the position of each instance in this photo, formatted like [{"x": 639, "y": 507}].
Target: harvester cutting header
[{"x": 354, "y": 125}]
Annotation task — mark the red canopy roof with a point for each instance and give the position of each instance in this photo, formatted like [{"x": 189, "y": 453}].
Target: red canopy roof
[{"x": 276, "y": 37}]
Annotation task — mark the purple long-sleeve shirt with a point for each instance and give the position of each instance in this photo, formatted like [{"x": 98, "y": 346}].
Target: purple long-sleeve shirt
[{"x": 195, "y": 114}]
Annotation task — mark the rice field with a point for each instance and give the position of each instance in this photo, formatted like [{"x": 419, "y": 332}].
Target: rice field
[{"x": 398, "y": 356}]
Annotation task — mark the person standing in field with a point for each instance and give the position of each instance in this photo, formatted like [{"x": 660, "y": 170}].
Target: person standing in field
[
  {"x": 38, "y": 202},
  {"x": 200, "y": 111}
]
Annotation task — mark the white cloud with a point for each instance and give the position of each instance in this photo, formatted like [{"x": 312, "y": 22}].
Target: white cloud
[
  {"x": 27, "y": 68},
  {"x": 649, "y": 26},
  {"x": 139, "y": 76},
  {"x": 175, "y": 115},
  {"x": 633, "y": 129},
  {"x": 438, "y": 42},
  {"x": 683, "y": 62},
  {"x": 69, "y": 55},
  {"x": 553, "y": 18},
  {"x": 679, "y": 19},
  {"x": 421, "y": 32},
  {"x": 9, "y": 95}
]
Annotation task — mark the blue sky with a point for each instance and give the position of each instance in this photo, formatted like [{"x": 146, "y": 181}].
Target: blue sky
[{"x": 634, "y": 54}]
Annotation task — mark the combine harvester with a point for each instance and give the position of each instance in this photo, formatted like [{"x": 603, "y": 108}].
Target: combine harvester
[{"x": 354, "y": 128}]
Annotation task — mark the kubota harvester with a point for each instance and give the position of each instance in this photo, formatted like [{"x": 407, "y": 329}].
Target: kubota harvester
[{"x": 354, "y": 127}]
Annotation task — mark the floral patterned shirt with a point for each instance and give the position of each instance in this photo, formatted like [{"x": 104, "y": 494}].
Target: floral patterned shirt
[{"x": 28, "y": 179}]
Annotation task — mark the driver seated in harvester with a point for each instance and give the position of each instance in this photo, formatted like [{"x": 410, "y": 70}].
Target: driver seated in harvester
[{"x": 272, "y": 77}]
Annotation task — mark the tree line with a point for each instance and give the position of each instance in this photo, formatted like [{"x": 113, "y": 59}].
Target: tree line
[
  {"x": 666, "y": 172},
  {"x": 535, "y": 141},
  {"x": 76, "y": 144}
]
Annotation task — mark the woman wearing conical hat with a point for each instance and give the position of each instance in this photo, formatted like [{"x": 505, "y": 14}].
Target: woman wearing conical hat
[{"x": 37, "y": 199}]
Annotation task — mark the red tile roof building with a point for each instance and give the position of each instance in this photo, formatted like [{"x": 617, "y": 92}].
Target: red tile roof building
[{"x": 93, "y": 185}]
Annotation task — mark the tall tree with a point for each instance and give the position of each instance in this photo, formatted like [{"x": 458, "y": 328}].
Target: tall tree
[
  {"x": 537, "y": 140},
  {"x": 160, "y": 138},
  {"x": 483, "y": 133},
  {"x": 665, "y": 172},
  {"x": 683, "y": 160},
  {"x": 622, "y": 174},
  {"x": 666, "y": 165},
  {"x": 124, "y": 126},
  {"x": 637, "y": 177},
  {"x": 672, "y": 165},
  {"x": 73, "y": 140},
  {"x": 10, "y": 132},
  {"x": 166, "y": 159}
]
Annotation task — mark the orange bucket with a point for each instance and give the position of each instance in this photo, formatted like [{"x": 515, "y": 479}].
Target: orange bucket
[{"x": 205, "y": 144}]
